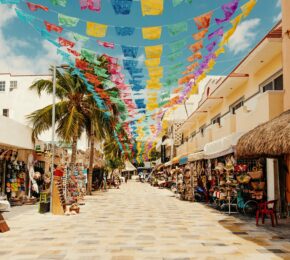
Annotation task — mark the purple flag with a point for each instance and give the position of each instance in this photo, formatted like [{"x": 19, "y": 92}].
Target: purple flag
[
  {"x": 211, "y": 46},
  {"x": 229, "y": 9},
  {"x": 219, "y": 32}
]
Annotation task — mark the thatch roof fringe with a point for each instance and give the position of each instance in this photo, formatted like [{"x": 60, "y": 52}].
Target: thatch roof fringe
[{"x": 269, "y": 139}]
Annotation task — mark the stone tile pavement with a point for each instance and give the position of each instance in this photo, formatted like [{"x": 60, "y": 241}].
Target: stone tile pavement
[{"x": 139, "y": 222}]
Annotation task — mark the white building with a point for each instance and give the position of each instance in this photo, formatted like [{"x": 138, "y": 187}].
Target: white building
[{"x": 17, "y": 100}]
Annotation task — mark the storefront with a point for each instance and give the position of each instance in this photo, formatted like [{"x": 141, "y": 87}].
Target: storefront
[
  {"x": 271, "y": 141},
  {"x": 14, "y": 178}
]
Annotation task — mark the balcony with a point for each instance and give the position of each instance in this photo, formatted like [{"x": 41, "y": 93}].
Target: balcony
[
  {"x": 265, "y": 107},
  {"x": 182, "y": 149},
  {"x": 201, "y": 140},
  {"x": 227, "y": 127}
]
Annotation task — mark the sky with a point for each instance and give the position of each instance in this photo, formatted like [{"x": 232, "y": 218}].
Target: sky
[{"x": 22, "y": 50}]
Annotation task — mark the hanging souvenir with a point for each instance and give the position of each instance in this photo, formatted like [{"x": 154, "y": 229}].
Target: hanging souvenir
[
  {"x": 68, "y": 21},
  {"x": 203, "y": 21}
]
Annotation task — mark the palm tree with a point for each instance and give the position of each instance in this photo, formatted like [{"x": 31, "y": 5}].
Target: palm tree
[{"x": 70, "y": 109}]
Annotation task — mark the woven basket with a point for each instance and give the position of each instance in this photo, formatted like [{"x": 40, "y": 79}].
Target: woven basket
[
  {"x": 243, "y": 179},
  {"x": 258, "y": 185},
  {"x": 256, "y": 174}
]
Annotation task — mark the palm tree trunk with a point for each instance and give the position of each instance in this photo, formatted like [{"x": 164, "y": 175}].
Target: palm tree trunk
[
  {"x": 74, "y": 153},
  {"x": 92, "y": 154}
]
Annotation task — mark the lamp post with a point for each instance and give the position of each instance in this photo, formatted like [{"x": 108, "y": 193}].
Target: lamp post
[{"x": 53, "y": 129}]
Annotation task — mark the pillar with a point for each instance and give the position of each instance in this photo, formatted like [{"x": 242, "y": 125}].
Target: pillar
[{"x": 286, "y": 51}]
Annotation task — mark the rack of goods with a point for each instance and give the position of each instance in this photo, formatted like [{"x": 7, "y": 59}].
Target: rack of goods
[{"x": 58, "y": 200}]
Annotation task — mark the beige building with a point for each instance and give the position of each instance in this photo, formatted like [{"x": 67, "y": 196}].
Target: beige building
[{"x": 253, "y": 93}]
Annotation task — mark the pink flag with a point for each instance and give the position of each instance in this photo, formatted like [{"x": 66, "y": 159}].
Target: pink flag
[
  {"x": 110, "y": 45},
  {"x": 93, "y": 5}
]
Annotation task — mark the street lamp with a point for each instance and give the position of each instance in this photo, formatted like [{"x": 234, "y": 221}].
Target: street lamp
[{"x": 63, "y": 66}]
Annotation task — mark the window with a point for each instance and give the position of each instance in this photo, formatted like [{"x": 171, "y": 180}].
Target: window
[
  {"x": 13, "y": 85},
  {"x": 275, "y": 83},
  {"x": 238, "y": 104},
  {"x": 202, "y": 130},
  {"x": 193, "y": 134},
  {"x": 216, "y": 120},
  {"x": 2, "y": 86},
  {"x": 5, "y": 112}
]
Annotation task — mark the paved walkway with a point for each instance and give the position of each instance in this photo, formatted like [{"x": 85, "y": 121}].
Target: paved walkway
[{"x": 138, "y": 222}]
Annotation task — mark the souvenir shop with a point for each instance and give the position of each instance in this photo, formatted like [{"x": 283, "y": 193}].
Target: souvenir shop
[
  {"x": 15, "y": 185},
  {"x": 271, "y": 141},
  {"x": 225, "y": 182}
]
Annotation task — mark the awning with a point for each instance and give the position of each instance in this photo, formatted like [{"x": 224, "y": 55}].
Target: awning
[
  {"x": 183, "y": 160},
  {"x": 158, "y": 146},
  {"x": 167, "y": 164},
  {"x": 222, "y": 146},
  {"x": 269, "y": 139},
  {"x": 168, "y": 141},
  {"x": 175, "y": 160},
  {"x": 129, "y": 167},
  {"x": 196, "y": 156}
]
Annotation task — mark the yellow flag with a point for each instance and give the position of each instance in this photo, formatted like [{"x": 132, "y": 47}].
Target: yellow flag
[
  {"x": 156, "y": 70},
  {"x": 152, "y": 62},
  {"x": 153, "y": 81},
  {"x": 152, "y": 33},
  {"x": 236, "y": 20},
  {"x": 211, "y": 64},
  {"x": 194, "y": 90},
  {"x": 227, "y": 36},
  {"x": 154, "y": 86},
  {"x": 153, "y": 52},
  {"x": 152, "y": 7},
  {"x": 247, "y": 7},
  {"x": 219, "y": 51},
  {"x": 96, "y": 29}
]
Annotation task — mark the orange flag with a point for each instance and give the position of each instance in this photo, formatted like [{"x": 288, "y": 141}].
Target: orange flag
[
  {"x": 195, "y": 56},
  {"x": 196, "y": 46},
  {"x": 200, "y": 35},
  {"x": 203, "y": 21}
]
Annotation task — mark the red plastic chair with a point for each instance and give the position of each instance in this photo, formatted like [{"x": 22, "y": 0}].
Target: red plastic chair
[{"x": 267, "y": 208}]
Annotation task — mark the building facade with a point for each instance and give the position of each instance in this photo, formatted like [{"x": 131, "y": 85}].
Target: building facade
[{"x": 252, "y": 94}]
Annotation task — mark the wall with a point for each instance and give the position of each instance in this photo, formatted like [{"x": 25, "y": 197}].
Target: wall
[
  {"x": 23, "y": 101},
  {"x": 15, "y": 134},
  {"x": 286, "y": 50},
  {"x": 260, "y": 108}
]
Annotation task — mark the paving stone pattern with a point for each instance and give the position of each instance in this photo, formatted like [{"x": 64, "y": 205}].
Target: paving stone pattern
[{"x": 138, "y": 222}]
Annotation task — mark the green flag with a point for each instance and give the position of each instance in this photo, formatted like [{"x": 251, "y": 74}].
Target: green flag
[
  {"x": 79, "y": 37},
  {"x": 174, "y": 56},
  {"x": 59, "y": 2},
  {"x": 69, "y": 21},
  {"x": 177, "y": 28},
  {"x": 89, "y": 55},
  {"x": 178, "y": 45},
  {"x": 101, "y": 72}
]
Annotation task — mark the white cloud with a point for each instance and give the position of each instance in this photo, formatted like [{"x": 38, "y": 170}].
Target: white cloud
[
  {"x": 15, "y": 63},
  {"x": 7, "y": 14},
  {"x": 277, "y": 18},
  {"x": 244, "y": 36}
]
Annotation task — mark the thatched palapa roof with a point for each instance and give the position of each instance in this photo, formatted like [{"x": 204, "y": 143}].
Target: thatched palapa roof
[{"x": 270, "y": 139}]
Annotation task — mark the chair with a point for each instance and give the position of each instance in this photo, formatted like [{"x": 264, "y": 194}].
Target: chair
[
  {"x": 3, "y": 225},
  {"x": 267, "y": 208}
]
